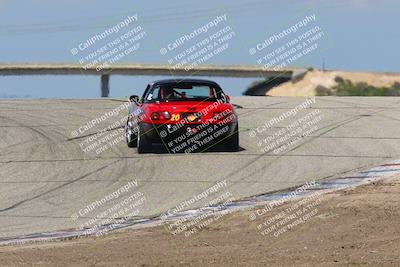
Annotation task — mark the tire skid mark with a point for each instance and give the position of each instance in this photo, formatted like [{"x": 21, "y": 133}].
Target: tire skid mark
[
  {"x": 57, "y": 187},
  {"x": 27, "y": 127}
]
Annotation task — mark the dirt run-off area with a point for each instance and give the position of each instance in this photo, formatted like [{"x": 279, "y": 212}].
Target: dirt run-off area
[{"x": 352, "y": 227}]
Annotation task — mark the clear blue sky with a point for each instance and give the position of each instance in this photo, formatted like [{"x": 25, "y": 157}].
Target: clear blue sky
[{"x": 360, "y": 35}]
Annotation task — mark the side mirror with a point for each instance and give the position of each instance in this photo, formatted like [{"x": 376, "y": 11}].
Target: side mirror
[
  {"x": 134, "y": 98},
  {"x": 228, "y": 99}
]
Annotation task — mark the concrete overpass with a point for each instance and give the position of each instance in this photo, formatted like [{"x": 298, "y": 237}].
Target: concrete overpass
[{"x": 237, "y": 71}]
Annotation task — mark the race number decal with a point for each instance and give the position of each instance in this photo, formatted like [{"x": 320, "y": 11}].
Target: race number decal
[{"x": 175, "y": 117}]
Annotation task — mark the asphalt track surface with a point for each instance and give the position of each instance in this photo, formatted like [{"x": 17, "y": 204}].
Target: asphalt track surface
[{"x": 45, "y": 177}]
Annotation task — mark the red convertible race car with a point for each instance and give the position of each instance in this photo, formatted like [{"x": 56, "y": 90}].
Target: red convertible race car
[{"x": 185, "y": 116}]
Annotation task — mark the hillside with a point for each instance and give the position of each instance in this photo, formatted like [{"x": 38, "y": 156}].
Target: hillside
[{"x": 308, "y": 84}]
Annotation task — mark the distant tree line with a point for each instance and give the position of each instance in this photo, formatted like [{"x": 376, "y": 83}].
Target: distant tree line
[{"x": 348, "y": 88}]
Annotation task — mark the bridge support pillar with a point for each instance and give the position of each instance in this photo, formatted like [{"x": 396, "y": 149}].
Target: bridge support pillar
[{"x": 105, "y": 85}]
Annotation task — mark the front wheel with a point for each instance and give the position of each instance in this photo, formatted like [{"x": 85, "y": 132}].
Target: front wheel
[{"x": 131, "y": 138}]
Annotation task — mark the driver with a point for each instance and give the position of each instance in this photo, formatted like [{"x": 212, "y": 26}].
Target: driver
[{"x": 169, "y": 93}]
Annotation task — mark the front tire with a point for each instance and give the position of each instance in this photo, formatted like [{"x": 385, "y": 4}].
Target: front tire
[{"x": 131, "y": 138}]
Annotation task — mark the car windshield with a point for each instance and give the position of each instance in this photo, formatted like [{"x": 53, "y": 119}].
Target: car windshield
[{"x": 184, "y": 92}]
